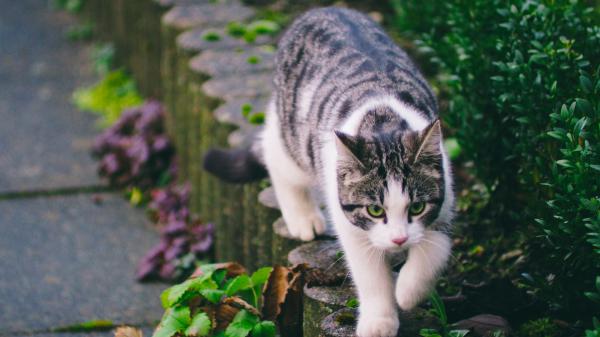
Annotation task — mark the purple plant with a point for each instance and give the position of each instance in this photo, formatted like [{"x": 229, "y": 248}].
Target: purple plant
[
  {"x": 184, "y": 238},
  {"x": 135, "y": 151}
]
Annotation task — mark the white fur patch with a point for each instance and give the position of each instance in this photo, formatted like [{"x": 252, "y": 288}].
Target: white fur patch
[{"x": 412, "y": 117}]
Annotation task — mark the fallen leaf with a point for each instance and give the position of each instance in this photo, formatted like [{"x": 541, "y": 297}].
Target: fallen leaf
[
  {"x": 484, "y": 325},
  {"x": 282, "y": 300},
  {"x": 128, "y": 331},
  {"x": 275, "y": 292},
  {"x": 239, "y": 303}
]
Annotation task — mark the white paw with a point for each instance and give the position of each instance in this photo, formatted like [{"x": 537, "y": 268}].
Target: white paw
[
  {"x": 377, "y": 326},
  {"x": 305, "y": 226}
]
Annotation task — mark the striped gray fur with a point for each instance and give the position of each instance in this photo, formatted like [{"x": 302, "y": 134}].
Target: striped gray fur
[{"x": 346, "y": 59}]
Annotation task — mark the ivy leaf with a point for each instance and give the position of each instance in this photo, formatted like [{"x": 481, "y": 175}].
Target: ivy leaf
[
  {"x": 212, "y": 295},
  {"x": 264, "y": 329},
  {"x": 242, "y": 324},
  {"x": 174, "y": 320},
  {"x": 200, "y": 326},
  {"x": 240, "y": 282},
  {"x": 172, "y": 295}
]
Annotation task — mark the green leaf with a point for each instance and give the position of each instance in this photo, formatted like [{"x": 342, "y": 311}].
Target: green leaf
[
  {"x": 242, "y": 324},
  {"x": 452, "y": 148},
  {"x": 438, "y": 306},
  {"x": 257, "y": 118},
  {"x": 262, "y": 27},
  {"x": 219, "y": 276},
  {"x": 246, "y": 109},
  {"x": 261, "y": 276},
  {"x": 564, "y": 163},
  {"x": 240, "y": 282},
  {"x": 586, "y": 84},
  {"x": 200, "y": 326},
  {"x": 264, "y": 329},
  {"x": 584, "y": 106},
  {"x": 458, "y": 333},
  {"x": 98, "y": 324},
  {"x": 429, "y": 333},
  {"x": 174, "y": 320},
  {"x": 352, "y": 303},
  {"x": 213, "y": 295},
  {"x": 172, "y": 295},
  {"x": 211, "y": 36}
]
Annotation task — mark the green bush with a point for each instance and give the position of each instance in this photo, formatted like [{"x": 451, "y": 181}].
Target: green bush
[{"x": 523, "y": 87}]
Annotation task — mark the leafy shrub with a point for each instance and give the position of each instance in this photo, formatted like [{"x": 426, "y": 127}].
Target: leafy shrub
[
  {"x": 523, "y": 85},
  {"x": 135, "y": 151},
  {"x": 184, "y": 239},
  {"x": 219, "y": 300},
  {"x": 543, "y": 327},
  {"x": 109, "y": 97}
]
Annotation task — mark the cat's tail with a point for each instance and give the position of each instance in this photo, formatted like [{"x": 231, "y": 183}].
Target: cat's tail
[{"x": 235, "y": 165}]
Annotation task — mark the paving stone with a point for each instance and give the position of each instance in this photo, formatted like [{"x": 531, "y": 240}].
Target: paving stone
[
  {"x": 231, "y": 111},
  {"x": 225, "y": 63},
  {"x": 253, "y": 85},
  {"x": 199, "y": 39},
  {"x": 67, "y": 260},
  {"x": 146, "y": 331},
  {"x": 44, "y": 140},
  {"x": 189, "y": 16}
]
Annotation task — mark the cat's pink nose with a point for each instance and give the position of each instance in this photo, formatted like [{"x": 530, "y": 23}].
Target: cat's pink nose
[{"x": 400, "y": 241}]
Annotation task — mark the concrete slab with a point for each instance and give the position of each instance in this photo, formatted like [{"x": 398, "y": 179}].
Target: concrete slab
[
  {"x": 44, "y": 141},
  {"x": 68, "y": 260}
]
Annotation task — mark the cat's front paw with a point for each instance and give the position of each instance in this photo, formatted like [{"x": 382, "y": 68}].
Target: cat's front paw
[
  {"x": 377, "y": 326},
  {"x": 304, "y": 227}
]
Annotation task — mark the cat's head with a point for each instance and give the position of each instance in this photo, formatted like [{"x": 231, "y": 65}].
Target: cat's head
[{"x": 392, "y": 184}]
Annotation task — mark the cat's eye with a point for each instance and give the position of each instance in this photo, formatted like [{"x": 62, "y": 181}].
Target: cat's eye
[
  {"x": 375, "y": 211},
  {"x": 416, "y": 208}
]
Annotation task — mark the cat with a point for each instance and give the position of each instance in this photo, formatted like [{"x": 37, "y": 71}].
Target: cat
[{"x": 352, "y": 116}]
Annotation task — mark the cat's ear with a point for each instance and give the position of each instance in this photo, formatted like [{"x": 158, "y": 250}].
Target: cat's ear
[
  {"x": 350, "y": 147},
  {"x": 429, "y": 141}
]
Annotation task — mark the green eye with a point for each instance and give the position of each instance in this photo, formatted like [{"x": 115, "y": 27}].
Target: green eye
[
  {"x": 416, "y": 208},
  {"x": 375, "y": 211}
]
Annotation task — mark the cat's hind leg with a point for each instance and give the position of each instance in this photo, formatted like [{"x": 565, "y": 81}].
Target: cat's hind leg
[{"x": 300, "y": 212}]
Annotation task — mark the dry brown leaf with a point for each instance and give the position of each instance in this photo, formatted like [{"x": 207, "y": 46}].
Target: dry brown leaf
[
  {"x": 282, "y": 300},
  {"x": 233, "y": 269},
  {"x": 291, "y": 309},
  {"x": 275, "y": 291},
  {"x": 224, "y": 314},
  {"x": 239, "y": 303},
  {"x": 128, "y": 331}
]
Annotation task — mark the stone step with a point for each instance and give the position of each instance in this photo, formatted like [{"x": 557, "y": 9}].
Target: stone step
[
  {"x": 184, "y": 17},
  {"x": 216, "y": 38},
  {"x": 250, "y": 60}
]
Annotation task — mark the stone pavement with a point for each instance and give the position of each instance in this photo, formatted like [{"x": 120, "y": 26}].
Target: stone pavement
[{"x": 67, "y": 253}]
